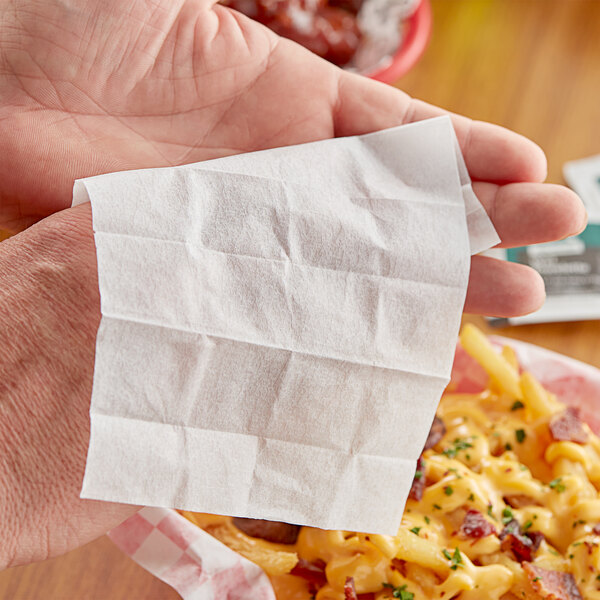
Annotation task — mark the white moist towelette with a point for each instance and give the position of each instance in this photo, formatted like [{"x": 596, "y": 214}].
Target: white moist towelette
[{"x": 278, "y": 327}]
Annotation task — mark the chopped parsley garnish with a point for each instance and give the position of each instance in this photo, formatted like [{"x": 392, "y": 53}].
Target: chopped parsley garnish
[
  {"x": 536, "y": 579},
  {"x": 507, "y": 447},
  {"x": 471, "y": 497},
  {"x": 527, "y": 525},
  {"x": 489, "y": 510},
  {"x": 415, "y": 530},
  {"x": 437, "y": 507},
  {"x": 520, "y": 435},
  {"x": 418, "y": 474},
  {"x": 578, "y": 522},
  {"x": 457, "y": 445},
  {"x": 507, "y": 515},
  {"x": 455, "y": 472},
  {"x": 455, "y": 558},
  {"x": 557, "y": 485},
  {"x": 517, "y": 404},
  {"x": 400, "y": 592},
  {"x": 448, "y": 490},
  {"x": 427, "y": 519}
]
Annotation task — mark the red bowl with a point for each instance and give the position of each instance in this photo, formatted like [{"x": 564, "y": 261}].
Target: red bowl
[{"x": 417, "y": 31}]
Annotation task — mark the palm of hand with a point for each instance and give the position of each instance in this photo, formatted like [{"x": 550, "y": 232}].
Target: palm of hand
[{"x": 89, "y": 89}]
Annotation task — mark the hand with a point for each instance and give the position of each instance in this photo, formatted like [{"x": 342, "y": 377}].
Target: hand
[
  {"x": 88, "y": 87},
  {"x": 49, "y": 314}
]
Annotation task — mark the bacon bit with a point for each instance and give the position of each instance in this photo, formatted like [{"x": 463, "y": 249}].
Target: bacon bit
[
  {"x": 568, "y": 426},
  {"x": 552, "y": 585},
  {"x": 596, "y": 529},
  {"x": 519, "y": 500},
  {"x": 522, "y": 546},
  {"x": 271, "y": 531},
  {"x": 590, "y": 546},
  {"x": 511, "y": 527},
  {"x": 536, "y": 538},
  {"x": 311, "y": 571},
  {"x": 349, "y": 589},
  {"x": 399, "y": 565},
  {"x": 475, "y": 526},
  {"x": 436, "y": 433},
  {"x": 418, "y": 484}
]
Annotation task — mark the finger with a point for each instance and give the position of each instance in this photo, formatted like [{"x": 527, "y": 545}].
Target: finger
[
  {"x": 531, "y": 213},
  {"x": 492, "y": 153},
  {"x": 498, "y": 288}
]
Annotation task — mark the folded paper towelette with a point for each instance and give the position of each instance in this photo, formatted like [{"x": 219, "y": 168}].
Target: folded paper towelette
[{"x": 277, "y": 327}]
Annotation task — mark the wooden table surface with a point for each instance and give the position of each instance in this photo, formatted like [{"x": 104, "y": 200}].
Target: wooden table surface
[{"x": 531, "y": 65}]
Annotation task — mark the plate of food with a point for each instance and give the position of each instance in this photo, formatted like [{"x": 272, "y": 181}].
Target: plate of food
[{"x": 504, "y": 504}]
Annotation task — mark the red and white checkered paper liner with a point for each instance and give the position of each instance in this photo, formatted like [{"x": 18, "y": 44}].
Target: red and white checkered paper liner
[
  {"x": 187, "y": 558},
  {"x": 201, "y": 568}
]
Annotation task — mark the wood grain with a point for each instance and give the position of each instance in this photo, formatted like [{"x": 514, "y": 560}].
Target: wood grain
[{"x": 531, "y": 65}]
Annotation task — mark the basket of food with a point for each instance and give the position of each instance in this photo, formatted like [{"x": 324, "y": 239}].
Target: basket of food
[{"x": 504, "y": 504}]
